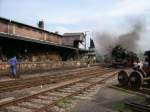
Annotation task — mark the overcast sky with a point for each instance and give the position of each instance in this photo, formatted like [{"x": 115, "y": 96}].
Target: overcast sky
[{"x": 80, "y": 15}]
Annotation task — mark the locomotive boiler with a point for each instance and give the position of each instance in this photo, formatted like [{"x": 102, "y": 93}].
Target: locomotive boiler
[{"x": 122, "y": 57}]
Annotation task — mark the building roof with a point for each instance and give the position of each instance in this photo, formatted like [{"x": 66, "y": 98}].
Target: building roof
[
  {"x": 74, "y": 34},
  {"x": 4, "y": 19},
  {"x": 33, "y": 27},
  {"x": 4, "y": 35}
]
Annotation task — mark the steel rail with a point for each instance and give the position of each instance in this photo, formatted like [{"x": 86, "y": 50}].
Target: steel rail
[
  {"x": 73, "y": 94},
  {"x": 19, "y": 100},
  {"x": 138, "y": 107},
  {"x": 47, "y": 80}
]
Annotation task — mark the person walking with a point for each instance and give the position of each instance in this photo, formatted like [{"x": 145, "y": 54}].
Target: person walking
[{"x": 13, "y": 62}]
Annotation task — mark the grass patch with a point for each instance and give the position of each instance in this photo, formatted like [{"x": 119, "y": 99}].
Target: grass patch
[
  {"x": 120, "y": 107},
  {"x": 64, "y": 103}
]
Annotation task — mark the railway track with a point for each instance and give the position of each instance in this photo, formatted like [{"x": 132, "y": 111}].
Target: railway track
[
  {"x": 138, "y": 107},
  {"x": 144, "y": 91},
  {"x": 135, "y": 106},
  {"x": 42, "y": 80},
  {"x": 43, "y": 101}
]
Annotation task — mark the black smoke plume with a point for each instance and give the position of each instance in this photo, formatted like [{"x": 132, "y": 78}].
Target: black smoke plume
[{"x": 106, "y": 41}]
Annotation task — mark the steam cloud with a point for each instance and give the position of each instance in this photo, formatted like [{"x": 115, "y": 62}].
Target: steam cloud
[{"x": 106, "y": 41}]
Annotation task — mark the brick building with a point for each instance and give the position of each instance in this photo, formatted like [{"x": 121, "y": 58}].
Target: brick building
[{"x": 35, "y": 44}]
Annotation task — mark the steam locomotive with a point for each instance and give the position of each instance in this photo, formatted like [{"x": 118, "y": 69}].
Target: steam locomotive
[{"x": 122, "y": 57}]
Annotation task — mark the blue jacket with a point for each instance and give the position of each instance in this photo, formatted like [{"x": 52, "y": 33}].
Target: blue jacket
[{"x": 12, "y": 61}]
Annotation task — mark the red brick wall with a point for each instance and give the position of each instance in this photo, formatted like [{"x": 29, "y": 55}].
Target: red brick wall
[
  {"x": 29, "y": 32},
  {"x": 53, "y": 38},
  {"x": 4, "y": 27}
]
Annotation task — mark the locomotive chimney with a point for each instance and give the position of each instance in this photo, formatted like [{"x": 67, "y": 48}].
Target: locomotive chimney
[{"x": 41, "y": 24}]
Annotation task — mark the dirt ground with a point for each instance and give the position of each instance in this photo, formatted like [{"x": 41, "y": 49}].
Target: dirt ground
[{"x": 106, "y": 100}]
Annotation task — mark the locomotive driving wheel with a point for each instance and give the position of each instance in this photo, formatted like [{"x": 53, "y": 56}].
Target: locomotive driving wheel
[
  {"x": 136, "y": 80},
  {"x": 123, "y": 78}
]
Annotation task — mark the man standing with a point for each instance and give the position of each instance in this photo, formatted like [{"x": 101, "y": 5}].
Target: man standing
[{"x": 13, "y": 62}]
